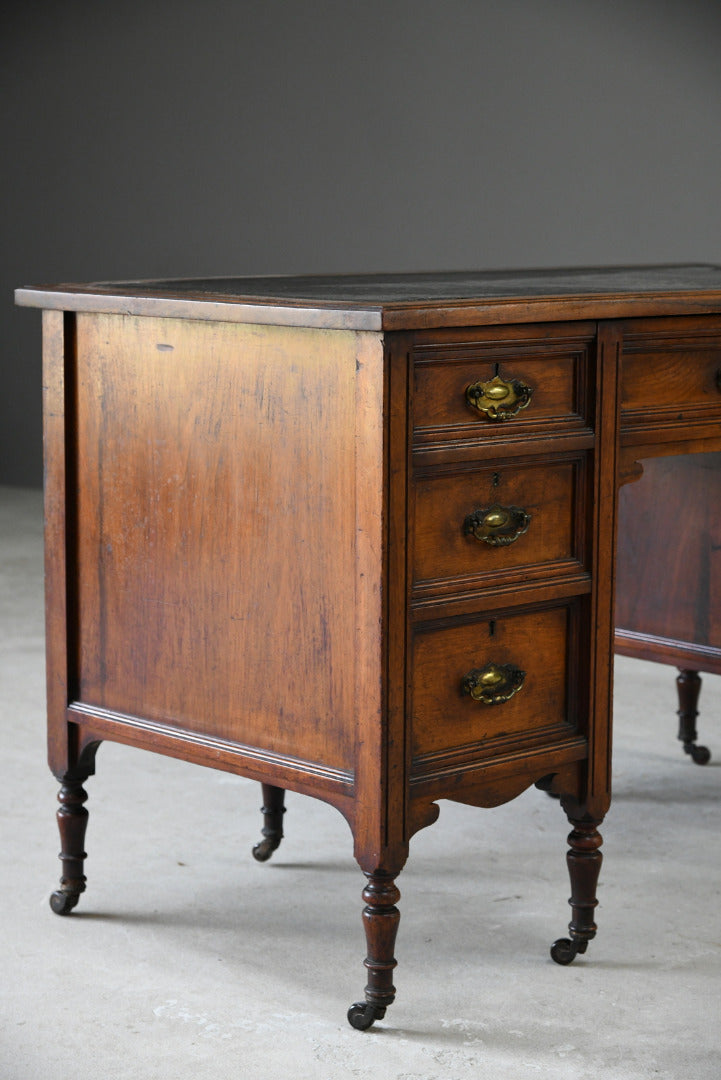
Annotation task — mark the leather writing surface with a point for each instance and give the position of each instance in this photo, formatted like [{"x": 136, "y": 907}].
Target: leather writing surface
[{"x": 414, "y": 288}]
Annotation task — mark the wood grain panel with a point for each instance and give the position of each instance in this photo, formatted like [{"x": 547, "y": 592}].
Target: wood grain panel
[
  {"x": 668, "y": 577},
  {"x": 444, "y": 717},
  {"x": 545, "y": 490},
  {"x": 552, "y": 362},
  {"x": 672, "y": 378},
  {"x": 217, "y": 529},
  {"x": 57, "y": 342},
  {"x": 440, "y": 393}
]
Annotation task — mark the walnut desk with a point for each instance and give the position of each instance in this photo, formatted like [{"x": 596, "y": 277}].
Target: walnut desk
[{"x": 355, "y": 537}]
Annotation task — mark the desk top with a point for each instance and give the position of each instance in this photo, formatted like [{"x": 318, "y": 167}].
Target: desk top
[{"x": 403, "y": 301}]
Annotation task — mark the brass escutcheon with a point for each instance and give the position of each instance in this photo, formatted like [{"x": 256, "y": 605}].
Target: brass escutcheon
[
  {"x": 499, "y": 399},
  {"x": 497, "y": 525},
  {"x": 494, "y": 683}
]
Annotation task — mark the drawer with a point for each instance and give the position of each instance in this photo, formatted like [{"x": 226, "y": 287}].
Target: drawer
[
  {"x": 477, "y": 523},
  {"x": 491, "y": 390},
  {"x": 669, "y": 381},
  {"x": 446, "y": 716}
]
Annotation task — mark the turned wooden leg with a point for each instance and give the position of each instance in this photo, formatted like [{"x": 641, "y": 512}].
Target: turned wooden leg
[
  {"x": 584, "y": 864},
  {"x": 380, "y": 920},
  {"x": 272, "y": 811},
  {"x": 688, "y": 684},
  {"x": 72, "y": 822}
]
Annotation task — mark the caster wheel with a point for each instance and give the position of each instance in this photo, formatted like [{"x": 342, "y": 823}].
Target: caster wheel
[
  {"x": 63, "y": 903},
  {"x": 564, "y": 951},
  {"x": 361, "y": 1016},
  {"x": 264, "y": 849},
  {"x": 700, "y": 755}
]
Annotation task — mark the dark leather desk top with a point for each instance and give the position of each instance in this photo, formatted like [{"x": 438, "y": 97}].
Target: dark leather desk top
[{"x": 405, "y": 301}]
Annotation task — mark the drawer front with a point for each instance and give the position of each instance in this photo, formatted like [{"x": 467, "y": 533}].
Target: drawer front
[
  {"x": 490, "y": 390},
  {"x": 450, "y": 712},
  {"x": 672, "y": 381},
  {"x": 491, "y": 522}
]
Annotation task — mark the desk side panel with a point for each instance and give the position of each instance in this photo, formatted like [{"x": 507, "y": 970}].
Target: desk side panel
[
  {"x": 216, "y": 549},
  {"x": 57, "y": 449}
]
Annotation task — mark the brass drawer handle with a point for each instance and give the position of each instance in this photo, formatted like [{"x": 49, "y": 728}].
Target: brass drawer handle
[
  {"x": 494, "y": 683},
  {"x": 497, "y": 525},
  {"x": 499, "y": 399}
]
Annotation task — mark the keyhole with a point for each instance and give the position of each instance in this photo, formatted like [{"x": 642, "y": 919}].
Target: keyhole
[
  {"x": 496, "y": 479},
  {"x": 491, "y": 627}
]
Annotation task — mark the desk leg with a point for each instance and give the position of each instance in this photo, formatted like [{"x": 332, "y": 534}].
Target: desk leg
[
  {"x": 380, "y": 920},
  {"x": 688, "y": 684},
  {"x": 584, "y": 865},
  {"x": 272, "y": 811},
  {"x": 72, "y": 822}
]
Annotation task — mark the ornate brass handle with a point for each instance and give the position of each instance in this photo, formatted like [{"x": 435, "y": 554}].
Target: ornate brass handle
[
  {"x": 499, "y": 399},
  {"x": 497, "y": 525},
  {"x": 494, "y": 683}
]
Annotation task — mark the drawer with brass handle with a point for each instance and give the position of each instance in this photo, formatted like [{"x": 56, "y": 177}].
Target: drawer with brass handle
[
  {"x": 495, "y": 679},
  {"x": 473, "y": 522},
  {"x": 489, "y": 393}
]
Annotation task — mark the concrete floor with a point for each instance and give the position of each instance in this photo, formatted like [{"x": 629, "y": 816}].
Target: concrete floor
[{"x": 188, "y": 960}]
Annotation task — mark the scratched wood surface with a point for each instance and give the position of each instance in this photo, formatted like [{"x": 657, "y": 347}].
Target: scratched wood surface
[{"x": 211, "y": 462}]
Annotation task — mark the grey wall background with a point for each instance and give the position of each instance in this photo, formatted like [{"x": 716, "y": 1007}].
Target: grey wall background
[{"x": 170, "y": 137}]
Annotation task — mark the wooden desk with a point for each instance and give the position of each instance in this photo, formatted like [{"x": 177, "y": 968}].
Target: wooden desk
[{"x": 355, "y": 537}]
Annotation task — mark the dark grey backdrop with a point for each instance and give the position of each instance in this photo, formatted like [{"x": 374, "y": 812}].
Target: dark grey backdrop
[{"x": 171, "y": 137}]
